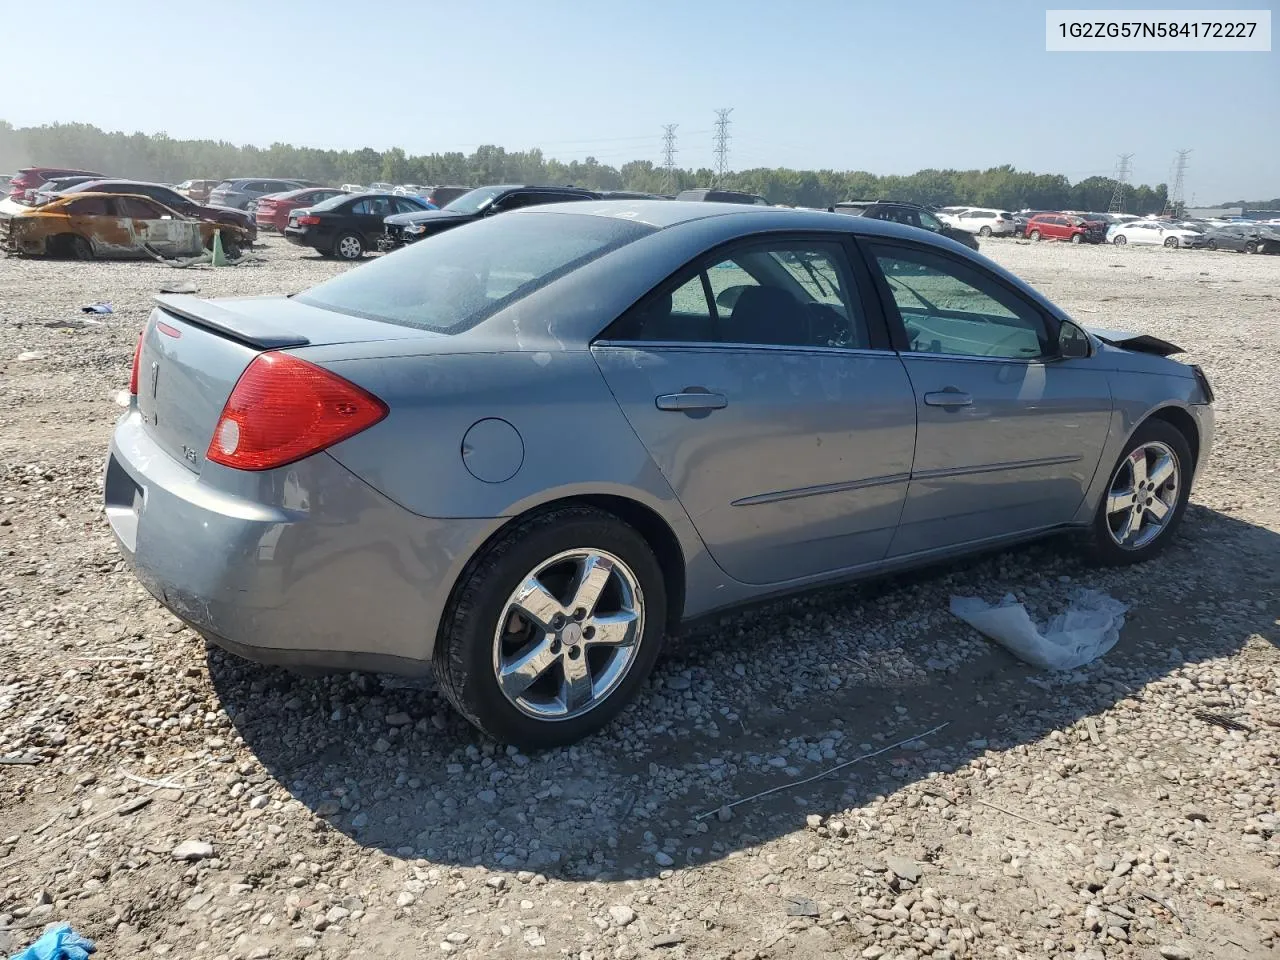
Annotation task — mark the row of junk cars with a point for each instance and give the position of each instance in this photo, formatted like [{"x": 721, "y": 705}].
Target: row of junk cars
[
  {"x": 82, "y": 214},
  {"x": 1239, "y": 234}
]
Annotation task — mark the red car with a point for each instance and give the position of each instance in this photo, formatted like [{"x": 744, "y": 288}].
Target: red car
[
  {"x": 273, "y": 212},
  {"x": 1065, "y": 226},
  {"x": 23, "y": 186}
]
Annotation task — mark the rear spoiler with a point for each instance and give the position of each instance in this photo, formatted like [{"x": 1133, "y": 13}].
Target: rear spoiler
[
  {"x": 235, "y": 326},
  {"x": 1137, "y": 342}
]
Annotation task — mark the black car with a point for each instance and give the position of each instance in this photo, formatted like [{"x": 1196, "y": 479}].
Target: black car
[
  {"x": 172, "y": 199},
  {"x": 909, "y": 214},
  {"x": 710, "y": 194},
  {"x": 443, "y": 195},
  {"x": 481, "y": 202},
  {"x": 1244, "y": 238},
  {"x": 347, "y": 225}
]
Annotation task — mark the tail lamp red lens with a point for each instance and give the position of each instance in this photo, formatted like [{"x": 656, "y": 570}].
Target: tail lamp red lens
[
  {"x": 284, "y": 409},
  {"x": 308, "y": 221},
  {"x": 133, "y": 376}
]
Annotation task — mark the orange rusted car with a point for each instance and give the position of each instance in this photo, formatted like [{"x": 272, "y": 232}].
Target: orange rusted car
[{"x": 87, "y": 226}]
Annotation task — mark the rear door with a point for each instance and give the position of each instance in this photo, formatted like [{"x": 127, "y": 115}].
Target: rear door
[
  {"x": 760, "y": 381},
  {"x": 155, "y": 228},
  {"x": 1008, "y": 435},
  {"x": 367, "y": 215}
]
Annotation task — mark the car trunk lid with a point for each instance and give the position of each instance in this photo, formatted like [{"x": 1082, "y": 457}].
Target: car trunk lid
[{"x": 193, "y": 352}]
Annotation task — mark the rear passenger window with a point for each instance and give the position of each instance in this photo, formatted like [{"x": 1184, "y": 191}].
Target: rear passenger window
[
  {"x": 89, "y": 207},
  {"x": 779, "y": 294}
]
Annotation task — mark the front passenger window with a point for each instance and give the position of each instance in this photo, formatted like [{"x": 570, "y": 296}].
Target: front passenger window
[{"x": 951, "y": 309}]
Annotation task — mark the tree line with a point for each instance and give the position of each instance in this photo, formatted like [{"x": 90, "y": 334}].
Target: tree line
[{"x": 161, "y": 158}]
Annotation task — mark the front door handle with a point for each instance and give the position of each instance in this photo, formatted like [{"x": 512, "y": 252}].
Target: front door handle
[
  {"x": 951, "y": 397},
  {"x": 692, "y": 400}
]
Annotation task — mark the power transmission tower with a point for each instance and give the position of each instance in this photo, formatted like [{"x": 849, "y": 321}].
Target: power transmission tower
[
  {"x": 1173, "y": 205},
  {"x": 722, "y": 143},
  {"x": 1122, "y": 179},
  {"x": 669, "y": 154}
]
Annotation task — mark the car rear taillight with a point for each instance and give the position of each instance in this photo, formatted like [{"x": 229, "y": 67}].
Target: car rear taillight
[
  {"x": 133, "y": 377},
  {"x": 284, "y": 409},
  {"x": 308, "y": 221}
]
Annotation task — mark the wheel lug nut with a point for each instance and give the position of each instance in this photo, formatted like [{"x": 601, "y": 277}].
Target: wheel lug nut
[
  {"x": 588, "y": 633},
  {"x": 579, "y": 614},
  {"x": 555, "y": 646},
  {"x": 574, "y": 653}
]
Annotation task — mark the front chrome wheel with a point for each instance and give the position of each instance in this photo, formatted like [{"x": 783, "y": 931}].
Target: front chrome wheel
[
  {"x": 568, "y": 634},
  {"x": 1143, "y": 495}
]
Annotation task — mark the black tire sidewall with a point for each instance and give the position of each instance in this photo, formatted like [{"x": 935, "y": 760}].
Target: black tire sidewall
[
  {"x": 463, "y": 657},
  {"x": 1106, "y": 550}
]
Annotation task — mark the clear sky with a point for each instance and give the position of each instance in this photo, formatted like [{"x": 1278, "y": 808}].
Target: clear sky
[{"x": 889, "y": 86}]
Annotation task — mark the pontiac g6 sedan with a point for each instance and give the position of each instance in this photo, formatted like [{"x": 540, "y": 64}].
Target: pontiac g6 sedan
[{"x": 521, "y": 452}]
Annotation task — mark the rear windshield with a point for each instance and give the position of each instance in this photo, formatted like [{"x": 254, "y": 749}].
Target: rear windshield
[{"x": 449, "y": 282}]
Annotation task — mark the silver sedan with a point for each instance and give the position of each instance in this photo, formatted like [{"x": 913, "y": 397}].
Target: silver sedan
[{"x": 521, "y": 452}]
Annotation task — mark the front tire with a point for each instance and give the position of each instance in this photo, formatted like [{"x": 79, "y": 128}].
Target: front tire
[
  {"x": 553, "y": 628},
  {"x": 1077, "y": 238},
  {"x": 1211, "y": 244},
  {"x": 348, "y": 246},
  {"x": 1145, "y": 500},
  {"x": 1172, "y": 243},
  {"x": 984, "y": 232},
  {"x": 1121, "y": 240},
  {"x": 1251, "y": 247}
]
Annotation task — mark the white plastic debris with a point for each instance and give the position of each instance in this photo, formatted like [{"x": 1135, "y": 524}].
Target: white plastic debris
[{"x": 1088, "y": 628}]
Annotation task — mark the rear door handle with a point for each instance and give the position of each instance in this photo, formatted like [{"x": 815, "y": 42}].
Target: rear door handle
[
  {"x": 948, "y": 398},
  {"x": 692, "y": 401}
]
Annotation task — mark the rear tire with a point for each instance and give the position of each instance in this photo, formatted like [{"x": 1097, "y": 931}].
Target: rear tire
[
  {"x": 485, "y": 631},
  {"x": 78, "y": 248},
  {"x": 1211, "y": 244},
  {"x": 1034, "y": 235},
  {"x": 348, "y": 246},
  {"x": 1115, "y": 541}
]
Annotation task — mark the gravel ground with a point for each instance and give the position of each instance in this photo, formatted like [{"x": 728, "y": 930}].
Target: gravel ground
[{"x": 186, "y": 803}]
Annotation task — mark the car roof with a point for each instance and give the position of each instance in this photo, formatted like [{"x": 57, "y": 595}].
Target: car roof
[{"x": 669, "y": 213}]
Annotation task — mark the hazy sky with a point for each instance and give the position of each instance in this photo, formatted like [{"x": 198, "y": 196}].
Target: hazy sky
[{"x": 889, "y": 86}]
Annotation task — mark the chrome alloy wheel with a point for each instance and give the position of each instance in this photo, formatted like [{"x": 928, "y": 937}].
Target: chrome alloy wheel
[
  {"x": 568, "y": 634},
  {"x": 1143, "y": 495},
  {"x": 350, "y": 247}
]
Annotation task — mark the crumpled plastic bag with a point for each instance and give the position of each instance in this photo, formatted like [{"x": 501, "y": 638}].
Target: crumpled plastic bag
[
  {"x": 58, "y": 943},
  {"x": 1088, "y": 628}
]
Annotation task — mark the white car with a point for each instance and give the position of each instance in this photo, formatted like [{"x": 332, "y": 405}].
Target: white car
[
  {"x": 1153, "y": 233},
  {"x": 353, "y": 188},
  {"x": 948, "y": 214},
  {"x": 984, "y": 222}
]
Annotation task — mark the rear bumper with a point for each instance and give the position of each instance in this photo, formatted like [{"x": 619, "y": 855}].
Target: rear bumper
[{"x": 334, "y": 575}]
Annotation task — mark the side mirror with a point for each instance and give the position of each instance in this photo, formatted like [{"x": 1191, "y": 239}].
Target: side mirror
[{"x": 1073, "y": 343}]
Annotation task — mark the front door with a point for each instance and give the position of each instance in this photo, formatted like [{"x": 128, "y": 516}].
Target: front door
[
  {"x": 1008, "y": 435},
  {"x": 760, "y": 383}
]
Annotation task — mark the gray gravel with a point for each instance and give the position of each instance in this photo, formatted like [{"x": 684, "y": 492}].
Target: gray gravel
[{"x": 174, "y": 800}]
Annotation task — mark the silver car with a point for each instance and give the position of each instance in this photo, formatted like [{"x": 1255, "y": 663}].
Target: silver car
[{"x": 521, "y": 452}]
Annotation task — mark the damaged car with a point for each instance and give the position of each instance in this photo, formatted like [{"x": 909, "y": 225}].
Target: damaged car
[
  {"x": 521, "y": 453},
  {"x": 88, "y": 226},
  {"x": 171, "y": 198}
]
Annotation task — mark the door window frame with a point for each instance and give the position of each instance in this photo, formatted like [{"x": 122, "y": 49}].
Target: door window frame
[
  {"x": 897, "y": 328},
  {"x": 852, "y": 267}
]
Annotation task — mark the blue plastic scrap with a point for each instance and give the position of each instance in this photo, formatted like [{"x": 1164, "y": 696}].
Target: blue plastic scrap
[
  {"x": 97, "y": 308},
  {"x": 58, "y": 943}
]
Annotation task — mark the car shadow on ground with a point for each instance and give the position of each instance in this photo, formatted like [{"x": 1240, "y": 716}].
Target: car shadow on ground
[{"x": 767, "y": 698}]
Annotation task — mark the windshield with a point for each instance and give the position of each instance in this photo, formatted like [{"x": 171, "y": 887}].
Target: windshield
[
  {"x": 473, "y": 201},
  {"x": 449, "y": 282}
]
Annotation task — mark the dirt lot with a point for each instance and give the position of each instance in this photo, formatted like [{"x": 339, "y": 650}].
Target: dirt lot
[{"x": 186, "y": 803}]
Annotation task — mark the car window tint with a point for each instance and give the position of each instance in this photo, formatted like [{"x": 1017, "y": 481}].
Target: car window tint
[
  {"x": 785, "y": 294},
  {"x": 451, "y": 281},
  {"x": 951, "y": 308},
  {"x": 929, "y": 222},
  {"x": 88, "y": 207},
  {"x": 137, "y": 208}
]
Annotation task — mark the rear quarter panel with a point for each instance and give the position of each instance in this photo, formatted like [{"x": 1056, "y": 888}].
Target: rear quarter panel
[{"x": 573, "y": 442}]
